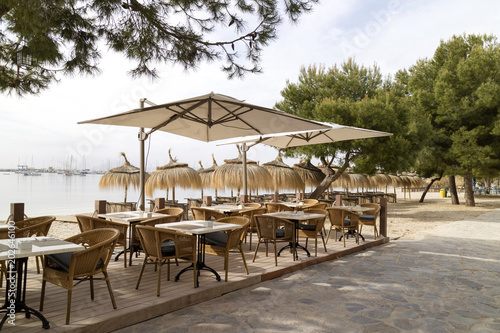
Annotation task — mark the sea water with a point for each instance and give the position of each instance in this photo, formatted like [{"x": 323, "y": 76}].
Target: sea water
[{"x": 59, "y": 194}]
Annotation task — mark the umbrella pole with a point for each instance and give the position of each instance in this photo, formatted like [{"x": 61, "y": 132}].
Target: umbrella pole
[
  {"x": 142, "y": 138},
  {"x": 173, "y": 194},
  {"x": 244, "y": 150},
  {"x": 125, "y": 200}
]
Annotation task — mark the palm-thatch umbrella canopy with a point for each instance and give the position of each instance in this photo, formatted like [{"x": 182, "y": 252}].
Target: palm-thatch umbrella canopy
[
  {"x": 230, "y": 175},
  {"x": 206, "y": 175},
  {"x": 382, "y": 180},
  {"x": 173, "y": 175},
  {"x": 310, "y": 174},
  {"x": 284, "y": 176},
  {"x": 122, "y": 177}
]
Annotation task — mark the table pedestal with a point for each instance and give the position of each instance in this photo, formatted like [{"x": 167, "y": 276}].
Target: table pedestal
[
  {"x": 297, "y": 245},
  {"x": 200, "y": 262},
  {"x": 15, "y": 301}
]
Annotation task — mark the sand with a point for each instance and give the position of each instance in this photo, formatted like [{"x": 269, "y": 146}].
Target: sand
[
  {"x": 408, "y": 218},
  {"x": 405, "y": 219}
]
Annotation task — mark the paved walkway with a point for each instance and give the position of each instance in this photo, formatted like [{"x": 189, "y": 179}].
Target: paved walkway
[{"x": 446, "y": 281}]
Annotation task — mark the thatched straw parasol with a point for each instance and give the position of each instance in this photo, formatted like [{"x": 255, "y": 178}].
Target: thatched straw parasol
[
  {"x": 172, "y": 175},
  {"x": 310, "y": 174},
  {"x": 206, "y": 175},
  {"x": 284, "y": 176},
  {"x": 230, "y": 175},
  {"x": 122, "y": 177}
]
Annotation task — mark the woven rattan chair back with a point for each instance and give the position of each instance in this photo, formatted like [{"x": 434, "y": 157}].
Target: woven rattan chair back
[
  {"x": 273, "y": 207},
  {"x": 84, "y": 222},
  {"x": 175, "y": 211},
  {"x": 152, "y": 238},
  {"x": 267, "y": 231},
  {"x": 235, "y": 239},
  {"x": 200, "y": 213},
  {"x": 99, "y": 245}
]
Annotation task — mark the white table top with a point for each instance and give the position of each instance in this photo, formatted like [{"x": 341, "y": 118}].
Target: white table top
[
  {"x": 198, "y": 227},
  {"x": 35, "y": 246},
  {"x": 300, "y": 216},
  {"x": 354, "y": 208},
  {"x": 133, "y": 216},
  {"x": 226, "y": 208},
  {"x": 295, "y": 204}
]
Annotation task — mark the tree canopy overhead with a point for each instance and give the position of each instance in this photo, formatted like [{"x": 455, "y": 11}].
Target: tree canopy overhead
[
  {"x": 352, "y": 95},
  {"x": 458, "y": 91},
  {"x": 71, "y": 35}
]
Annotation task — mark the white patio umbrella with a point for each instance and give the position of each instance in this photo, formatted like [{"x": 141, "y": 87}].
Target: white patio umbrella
[
  {"x": 208, "y": 118},
  {"x": 333, "y": 133}
]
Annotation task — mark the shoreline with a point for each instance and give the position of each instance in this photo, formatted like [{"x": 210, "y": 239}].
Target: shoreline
[{"x": 406, "y": 219}]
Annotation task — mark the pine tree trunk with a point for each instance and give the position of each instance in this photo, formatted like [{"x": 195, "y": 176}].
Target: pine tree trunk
[
  {"x": 469, "y": 191},
  {"x": 453, "y": 191},
  {"x": 429, "y": 186}
]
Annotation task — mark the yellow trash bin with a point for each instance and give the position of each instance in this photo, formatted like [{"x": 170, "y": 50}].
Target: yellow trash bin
[{"x": 443, "y": 193}]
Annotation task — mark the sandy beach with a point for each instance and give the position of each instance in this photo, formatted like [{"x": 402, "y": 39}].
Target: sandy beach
[{"x": 406, "y": 218}]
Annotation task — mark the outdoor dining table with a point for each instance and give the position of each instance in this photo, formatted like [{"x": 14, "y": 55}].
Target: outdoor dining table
[
  {"x": 226, "y": 209},
  {"x": 131, "y": 218},
  {"x": 355, "y": 209},
  {"x": 295, "y": 217},
  {"x": 199, "y": 228},
  {"x": 15, "y": 252}
]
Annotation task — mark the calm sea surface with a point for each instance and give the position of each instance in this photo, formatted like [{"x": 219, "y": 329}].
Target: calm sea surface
[{"x": 58, "y": 194}]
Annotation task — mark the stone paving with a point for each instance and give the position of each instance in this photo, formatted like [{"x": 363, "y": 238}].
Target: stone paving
[{"x": 447, "y": 280}]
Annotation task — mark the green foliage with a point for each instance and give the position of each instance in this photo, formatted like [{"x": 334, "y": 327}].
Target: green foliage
[
  {"x": 354, "y": 95},
  {"x": 68, "y": 35},
  {"x": 458, "y": 91}
]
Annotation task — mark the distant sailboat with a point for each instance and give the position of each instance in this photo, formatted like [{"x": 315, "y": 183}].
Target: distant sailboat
[{"x": 69, "y": 171}]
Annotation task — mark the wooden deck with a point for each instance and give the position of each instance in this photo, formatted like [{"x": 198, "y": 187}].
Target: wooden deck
[{"x": 138, "y": 305}]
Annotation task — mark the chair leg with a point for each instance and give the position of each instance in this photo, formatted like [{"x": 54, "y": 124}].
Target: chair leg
[
  {"x": 68, "y": 307},
  {"x": 275, "y": 255},
  {"x": 343, "y": 236},
  {"x": 125, "y": 254},
  {"x": 244, "y": 261},
  {"x": 226, "y": 265},
  {"x": 110, "y": 290},
  {"x": 37, "y": 259},
  {"x": 91, "y": 287},
  {"x": 158, "y": 283},
  {"x": 195, "y": 272},
  {"x": 42, "y": 296},
  {"x": 140, "y": 274},
  {"x": 316, "y": 246},
  {"x": 328, "y": 236},
  {"x": 256, "y": 249},
  {"x": 324, "y": 243}
]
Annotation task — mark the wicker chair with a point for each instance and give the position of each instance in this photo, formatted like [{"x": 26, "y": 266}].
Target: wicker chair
[
  {"x": 272, "y": 229},
  {"x": 175, "y": 211},
  {"x": 161, "y": 245},
  {"x": 252, "y": 205},
  {"x": 310, "y": 201},
  {"x": 370, "y": 217},
  {"x": 320, "y": 205},
  {"x": 64, "y": 268},
  {"x": 84, "y": 222},
  {"x": 273, "y": 207},
  {"x": 200, "y": 213},
  {"x": 121, "y": 227},
  {"x": 338, "y": 222},
  {"x": 313, "y": 228},
  {"x": 250, "y": 213},
  {"x": 220, "y": 243},
  {"x": 34, "y": 226}
]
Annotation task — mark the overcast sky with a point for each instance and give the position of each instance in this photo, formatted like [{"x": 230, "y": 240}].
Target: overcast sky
[{"x": 42, "y": 130}]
